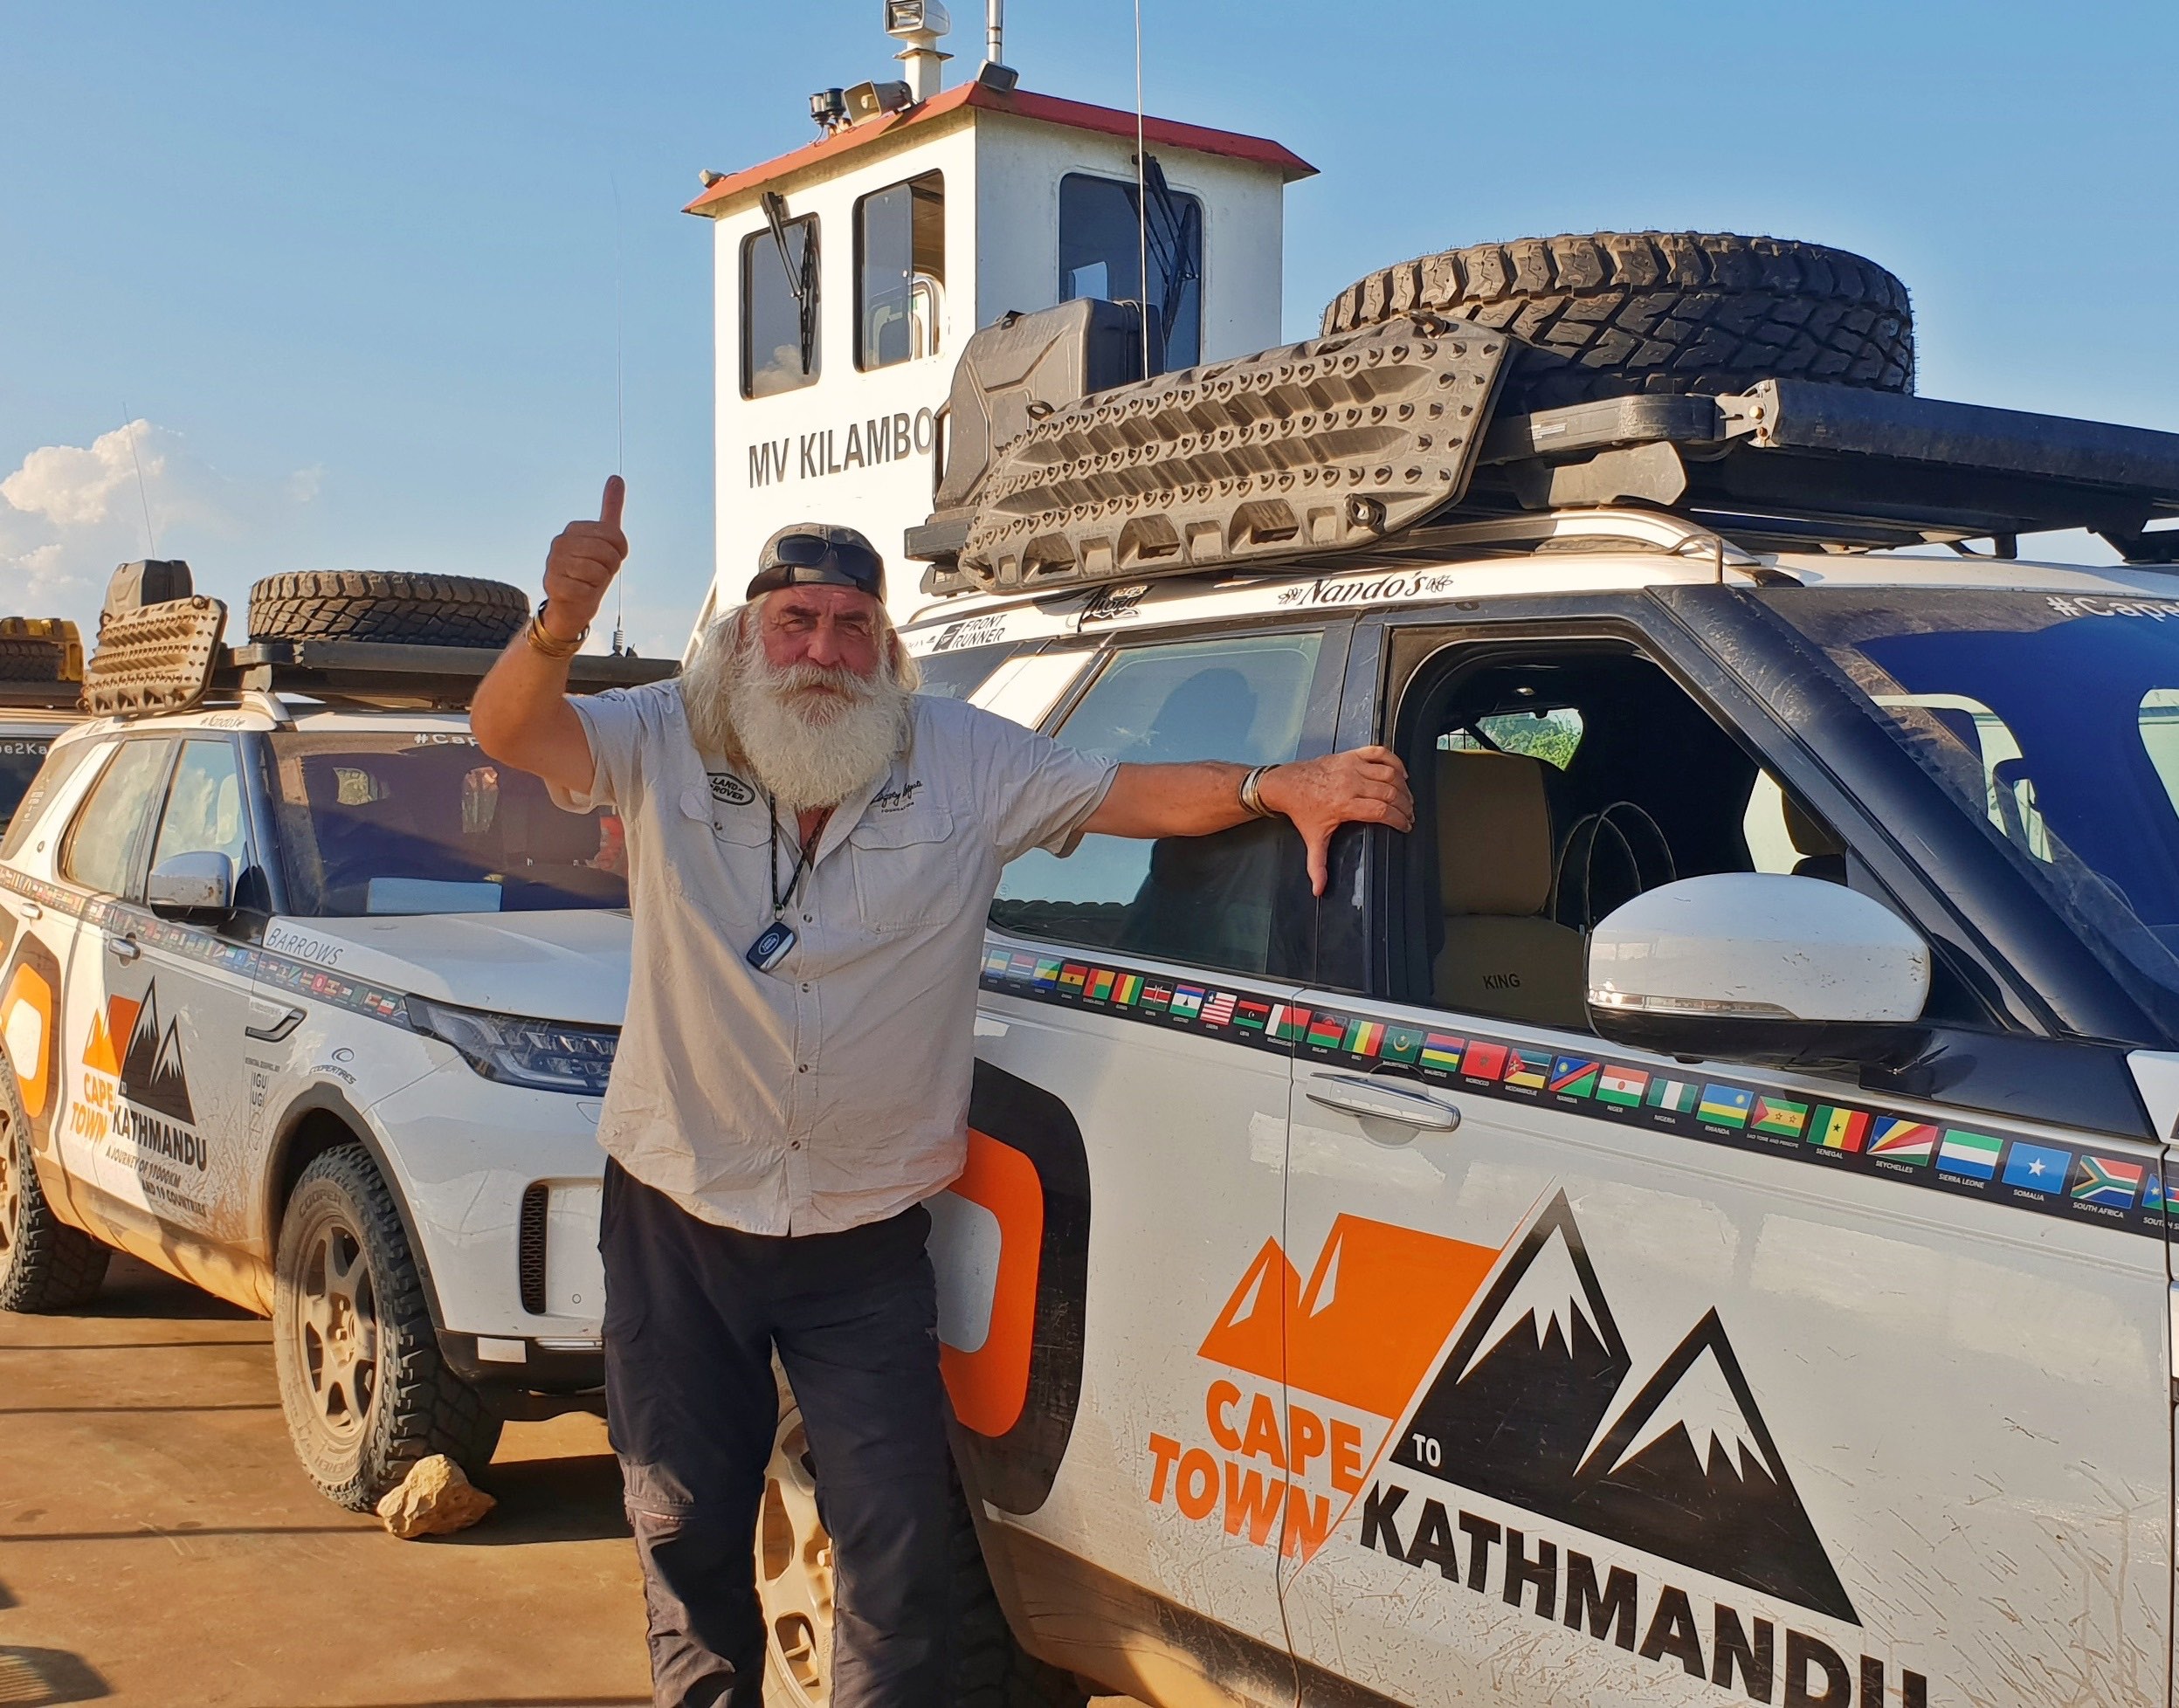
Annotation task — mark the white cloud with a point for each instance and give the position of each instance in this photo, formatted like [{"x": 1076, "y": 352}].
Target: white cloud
[{"x": 70, "y": 513}]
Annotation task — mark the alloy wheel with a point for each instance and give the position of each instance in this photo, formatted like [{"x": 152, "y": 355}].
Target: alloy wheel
[
  {"x": 793, "y": 1563},
  {"x": 10, "y": 1190},
  {"x": 335, "y": 1331}
]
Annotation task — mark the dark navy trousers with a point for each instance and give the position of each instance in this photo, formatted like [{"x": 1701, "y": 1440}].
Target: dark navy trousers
[{"x": 694, "y": 1314}]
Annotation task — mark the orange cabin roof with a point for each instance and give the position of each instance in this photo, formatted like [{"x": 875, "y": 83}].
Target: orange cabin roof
[{"x": 1048, "y": 109}]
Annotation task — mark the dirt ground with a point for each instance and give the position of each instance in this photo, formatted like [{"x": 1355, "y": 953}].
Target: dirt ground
[{"x": 158, "y": 1543}]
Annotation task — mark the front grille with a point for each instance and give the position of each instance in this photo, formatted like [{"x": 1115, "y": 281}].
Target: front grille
[{"x": 537, "y": 1200}]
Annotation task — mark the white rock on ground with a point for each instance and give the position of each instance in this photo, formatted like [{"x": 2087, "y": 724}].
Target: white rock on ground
[{"x": 434, "y": 1499}]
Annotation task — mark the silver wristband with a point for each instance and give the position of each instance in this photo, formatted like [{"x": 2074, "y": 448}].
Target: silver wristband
[{"x": 1251, "y": 793}]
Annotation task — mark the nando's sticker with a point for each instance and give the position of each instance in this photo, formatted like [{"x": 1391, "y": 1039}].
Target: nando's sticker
[
  {"x": 1473, "y": 1416},
  {"x": 1970, "y": 1158}
]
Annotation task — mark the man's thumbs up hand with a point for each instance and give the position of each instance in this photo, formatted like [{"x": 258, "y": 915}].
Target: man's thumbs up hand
[{"x": 582, "y": 564}]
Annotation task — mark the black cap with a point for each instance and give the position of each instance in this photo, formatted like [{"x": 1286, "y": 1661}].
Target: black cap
[{"x": 820, "y": 554}]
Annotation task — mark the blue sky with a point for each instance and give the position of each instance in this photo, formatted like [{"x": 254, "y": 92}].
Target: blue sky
[{"x": 353, "y": 267}]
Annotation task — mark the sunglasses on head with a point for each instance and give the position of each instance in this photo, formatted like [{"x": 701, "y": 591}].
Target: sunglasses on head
[{"x": 839, "y": 564}]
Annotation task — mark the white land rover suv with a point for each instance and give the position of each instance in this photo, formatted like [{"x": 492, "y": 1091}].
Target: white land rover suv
[
  {"x": 310, "y": 1003},
  {"x": 1687, "y": 1224}
]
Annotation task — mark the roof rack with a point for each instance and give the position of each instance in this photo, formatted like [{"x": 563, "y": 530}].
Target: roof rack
[
  {"x": 40, "y": 696},
  {"x": 37, "y": 645},
  {"x": 1363, "y": 446},
  {"x": 168, "y": 657},
  {"x": 384, "y": 673},
  {"x": 1796, "y": 464}
]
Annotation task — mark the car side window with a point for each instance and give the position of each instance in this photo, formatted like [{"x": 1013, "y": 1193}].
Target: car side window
[
  {"x": 203, "y": 813},
  {"x": 108, "y": 833},
  {"x": 1554, "y": 785},
  {"x": 1205, "y": 901}
]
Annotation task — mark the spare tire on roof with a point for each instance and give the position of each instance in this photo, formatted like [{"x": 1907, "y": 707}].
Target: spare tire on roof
[
  {"x": 1615, "y": 314},
  {"x": 372, "y": 605},
  {"x": 32, "y": 660}
]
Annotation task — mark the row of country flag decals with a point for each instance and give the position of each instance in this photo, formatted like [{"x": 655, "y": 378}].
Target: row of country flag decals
[
  {"x": 2028, "y": 1172},
  {"x": 302, "y": 978}
]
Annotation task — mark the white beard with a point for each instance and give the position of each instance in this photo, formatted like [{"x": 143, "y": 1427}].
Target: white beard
[{"x": 807, "y": 748}]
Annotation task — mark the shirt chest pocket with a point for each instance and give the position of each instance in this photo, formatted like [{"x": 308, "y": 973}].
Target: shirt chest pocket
[
  {"x": 906, "y": 873},
  {"x": 714, "y": 853}
]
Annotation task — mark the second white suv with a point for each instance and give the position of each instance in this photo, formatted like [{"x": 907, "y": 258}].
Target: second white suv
[{"x": 310, "y": 1003}]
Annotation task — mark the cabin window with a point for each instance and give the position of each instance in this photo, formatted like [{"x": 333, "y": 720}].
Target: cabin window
[
  {"x": 900, "y": 272},
  {"x": 1101, "y": 247},
  {"x": 779, "y": 306}
]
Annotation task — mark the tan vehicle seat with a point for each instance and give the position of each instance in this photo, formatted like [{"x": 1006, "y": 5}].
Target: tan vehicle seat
[
  {"x": 1502, "y": 956},
  {"x": 1821, "y": 854}
]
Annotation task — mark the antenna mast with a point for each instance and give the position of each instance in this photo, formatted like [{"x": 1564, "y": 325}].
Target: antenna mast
[
  {"x": 620, "y": 416},
  {"x": 1142, "y": 196},
  {"x": 143, "y": 492}
]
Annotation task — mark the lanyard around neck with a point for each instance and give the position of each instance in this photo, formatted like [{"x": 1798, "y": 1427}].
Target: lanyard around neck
[{"x": 781, "y": 901}]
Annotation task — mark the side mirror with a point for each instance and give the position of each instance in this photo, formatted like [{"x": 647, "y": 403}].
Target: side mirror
[
  {"x": 1748, "y": 966},
  {"x": 191, "y": 884}
]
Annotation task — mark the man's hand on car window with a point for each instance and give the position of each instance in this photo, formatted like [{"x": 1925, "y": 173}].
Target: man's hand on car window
[
  {"x": 1363, "y": 786},
  {"x": 1366, "y": 786}
]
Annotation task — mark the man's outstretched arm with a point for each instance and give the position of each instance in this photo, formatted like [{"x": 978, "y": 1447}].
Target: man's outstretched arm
[
  {"x": 1364, "y": 786},
  {"x": 521, "y": 715}
]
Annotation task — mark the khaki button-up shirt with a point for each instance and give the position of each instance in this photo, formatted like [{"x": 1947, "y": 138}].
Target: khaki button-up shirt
[{"x": 833, "y": 1090}]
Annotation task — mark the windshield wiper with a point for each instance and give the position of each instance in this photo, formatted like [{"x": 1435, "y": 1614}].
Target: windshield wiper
[
  {"x": 802, "y": 276},
  {"x": 1176, "y": 239}
]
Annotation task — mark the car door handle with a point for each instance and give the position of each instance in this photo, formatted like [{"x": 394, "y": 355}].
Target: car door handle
[
  {"x": 123, "y": 949},
  {"x": 31, "y": 910},
  {"x": 278, "y": 1029},
  {"x": 1387, "y": 1102}
]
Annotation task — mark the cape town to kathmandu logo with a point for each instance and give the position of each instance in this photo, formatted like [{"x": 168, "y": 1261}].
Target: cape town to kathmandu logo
[
  {"x": 135, "y": 1084},
  {"x": 1413, "y": 1367},
  {"x": 1531, "y": 1405}
]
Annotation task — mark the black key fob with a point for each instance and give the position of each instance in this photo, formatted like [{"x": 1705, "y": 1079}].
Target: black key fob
[{"x": 772, "y": 947}]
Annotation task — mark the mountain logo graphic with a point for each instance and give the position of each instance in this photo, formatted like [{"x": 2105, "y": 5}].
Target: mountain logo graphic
[
  {"x": 1527, "y": 1404},
  {"x": 151, "y": 1072}
]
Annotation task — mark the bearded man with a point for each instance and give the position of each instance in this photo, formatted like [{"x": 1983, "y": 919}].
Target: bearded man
[{"x": 812, "y": 847}]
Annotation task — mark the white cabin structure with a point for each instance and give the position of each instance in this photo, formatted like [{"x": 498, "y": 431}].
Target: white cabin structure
[{"x": 927, "y": 222}]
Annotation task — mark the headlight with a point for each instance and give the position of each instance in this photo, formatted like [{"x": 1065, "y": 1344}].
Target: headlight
[{"x": 545, "y": 1055}]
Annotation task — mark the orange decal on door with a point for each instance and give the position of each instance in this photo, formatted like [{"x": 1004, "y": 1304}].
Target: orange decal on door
[
  {"x": 101, "y": 1054},
  {"x": 1361, "y": 1336},
  {"x": 1378, "y": 1305},
  {"x": 1378, "y": 1308},
  {"x": 1250, "y": 1332},
  {"x": 989, "y": 1386}
]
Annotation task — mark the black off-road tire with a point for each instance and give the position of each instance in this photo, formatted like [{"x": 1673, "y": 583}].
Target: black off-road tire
[
  {"x": 366, "y": 605},
  {"x": 45, "y": 1264},
  {"x": 30, "y": 660},
  {"x": 410, "y": 1406},
  {"x": 1616, "y": 314},
  {"x": 990, "y": 1670}
]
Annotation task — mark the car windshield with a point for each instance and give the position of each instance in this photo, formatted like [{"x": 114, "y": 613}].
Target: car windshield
[
  {"x": 422, "y": 822},
  {"x": 2053, "y": 718}
]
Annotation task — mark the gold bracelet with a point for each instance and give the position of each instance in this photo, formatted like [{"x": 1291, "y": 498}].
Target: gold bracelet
[{"x": 550, "y": 645}]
